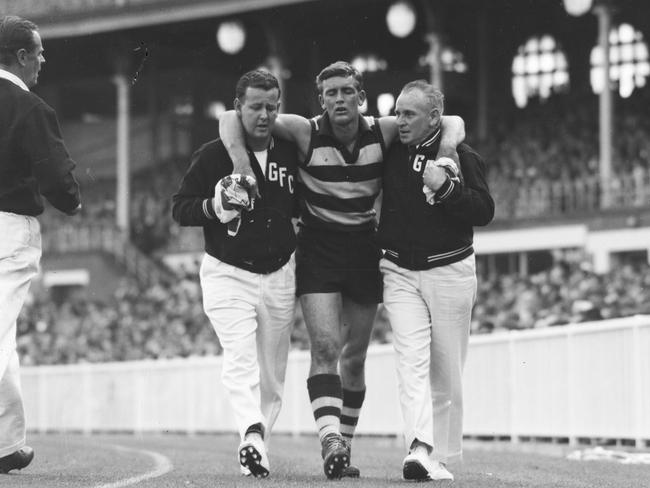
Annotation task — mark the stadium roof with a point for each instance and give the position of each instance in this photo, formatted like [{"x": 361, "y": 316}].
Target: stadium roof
[{"x": 66, "y": 18}]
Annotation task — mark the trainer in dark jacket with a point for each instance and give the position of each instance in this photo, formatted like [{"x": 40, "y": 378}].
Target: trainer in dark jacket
[
  {"x": 33, "y": 158},
  {"x": 266, "y": 238},
  {"x": 34, "y": 163},
  {"x": 429, "y": 276},
  {"x": 418, "y": 235}
]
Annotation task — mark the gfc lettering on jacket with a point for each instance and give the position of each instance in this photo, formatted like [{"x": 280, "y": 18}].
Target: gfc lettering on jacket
[{"x": 281, "y": 175}]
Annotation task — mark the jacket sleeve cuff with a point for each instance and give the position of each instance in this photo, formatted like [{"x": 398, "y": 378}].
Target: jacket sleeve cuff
[
  {"x": 208, "y": 209},
  {"x": 446, "y": 190}
]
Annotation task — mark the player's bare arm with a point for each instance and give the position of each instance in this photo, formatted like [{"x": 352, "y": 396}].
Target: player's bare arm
[
  {"x": 232, "y": 135},
  {"x": 453, "y": 133},
  {"x": 292, "y": 127}
]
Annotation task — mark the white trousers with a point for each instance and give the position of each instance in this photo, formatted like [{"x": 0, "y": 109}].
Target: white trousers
[
  {"x": 20, "y": 253},
  {"x": 253, "y": 315},
  {"x": 429, "y": 312}
]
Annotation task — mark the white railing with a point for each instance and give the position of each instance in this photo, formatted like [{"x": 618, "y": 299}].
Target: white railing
[{"x": 578, "y": 381}]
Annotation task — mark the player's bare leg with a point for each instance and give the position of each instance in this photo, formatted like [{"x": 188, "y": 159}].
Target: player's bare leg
[
  {"x": 322, "y": 313},
  {"x": 356, "y": 328}
]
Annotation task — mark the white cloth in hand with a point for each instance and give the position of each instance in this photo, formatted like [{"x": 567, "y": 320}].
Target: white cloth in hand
[
  {"x": 451, "y": 167},
  {"x": 232, "y": 195}
]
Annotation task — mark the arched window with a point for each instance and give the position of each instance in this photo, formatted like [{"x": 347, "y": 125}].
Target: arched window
[
  {"x": 628, "y": 57},
  {"x": 539, "y": 69}
]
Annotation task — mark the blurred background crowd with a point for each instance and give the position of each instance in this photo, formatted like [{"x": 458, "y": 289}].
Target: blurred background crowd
[{"x": 166, "y": 319}]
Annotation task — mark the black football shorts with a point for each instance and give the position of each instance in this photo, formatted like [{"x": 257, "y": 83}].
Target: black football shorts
[{"x": 329, "y": 261}]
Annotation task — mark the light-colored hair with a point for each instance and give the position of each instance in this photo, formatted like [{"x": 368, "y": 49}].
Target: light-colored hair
[
  {"x": 434, "y": 96},
  {"x": 15, "y": 33}
]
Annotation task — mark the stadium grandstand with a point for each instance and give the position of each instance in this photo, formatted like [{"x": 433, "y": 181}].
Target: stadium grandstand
[{"x": 139, "y": 84}]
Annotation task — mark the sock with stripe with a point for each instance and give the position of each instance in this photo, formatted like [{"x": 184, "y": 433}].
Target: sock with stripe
[
  {"x": 325, "y": 394},
  {"x": 352, "y": 402}
]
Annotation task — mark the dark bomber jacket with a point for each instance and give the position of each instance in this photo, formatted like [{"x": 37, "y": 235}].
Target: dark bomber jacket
[
  {"x": 34, "y": 161},
  {"x": 417, "y": 235},
  {"x": 266, "y": 237}
]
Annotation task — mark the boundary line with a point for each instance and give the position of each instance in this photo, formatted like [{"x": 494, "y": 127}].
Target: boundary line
[{"x": 162, "y": 466}]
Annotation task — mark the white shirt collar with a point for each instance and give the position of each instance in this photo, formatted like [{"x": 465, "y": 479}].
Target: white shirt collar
[{"x": 13, "y": 78}]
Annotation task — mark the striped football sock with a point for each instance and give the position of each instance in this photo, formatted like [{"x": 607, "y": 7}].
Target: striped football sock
[
  {"x": 352, "y": 402},
  {"x": 325, "y": 396}
]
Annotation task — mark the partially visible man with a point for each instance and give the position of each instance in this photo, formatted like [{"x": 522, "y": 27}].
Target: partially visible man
[
  {"x": 430, "y": 276},
  {"x": 34, "y": 163},
  {"x": 337, "y": 259},
  {"x": 248, "y": 271}
]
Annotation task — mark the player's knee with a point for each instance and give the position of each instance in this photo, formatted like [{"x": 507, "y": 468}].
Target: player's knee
[
  {"x": 325, "y": 353},
  {"x": 353, "y": 364}
]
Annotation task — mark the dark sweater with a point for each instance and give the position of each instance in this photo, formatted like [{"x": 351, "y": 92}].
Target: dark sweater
[
  {"x": 266, "y": 237},
  {"x": 418, "y": 235},
  {"x": 34, "y": 161}
]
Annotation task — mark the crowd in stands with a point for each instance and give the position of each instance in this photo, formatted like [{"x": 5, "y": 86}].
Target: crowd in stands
[
  {"x": 545, "y": 158},
  {"x": 564, "y": 294},
  {"x": 166, "y": 320},
  {"x": 159, "y": 321}
]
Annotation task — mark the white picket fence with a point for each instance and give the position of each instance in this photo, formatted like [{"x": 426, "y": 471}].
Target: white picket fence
[{"x": 579, "y": 381}]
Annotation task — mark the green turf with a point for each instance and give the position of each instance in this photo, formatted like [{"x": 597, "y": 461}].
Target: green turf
[{"x": 74, "y": 461}]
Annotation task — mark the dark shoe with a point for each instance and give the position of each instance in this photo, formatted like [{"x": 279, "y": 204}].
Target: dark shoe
[
  {"x": 335, "y": 455},
  {"x": 351, "y": 471},
  {"x": 17, "y": 460}
]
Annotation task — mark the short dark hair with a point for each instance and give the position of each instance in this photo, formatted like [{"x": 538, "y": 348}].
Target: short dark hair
[
  {"x": 257, "y": 78},
  {"x": 15, "y": 33},
  {"x": 339, "y": 68}
]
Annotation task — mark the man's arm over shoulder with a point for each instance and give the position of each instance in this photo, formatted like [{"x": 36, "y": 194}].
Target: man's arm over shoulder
[
  {"x": 232, "y": 135},
  {"x": 295, "y": 128},
  {"x": 452, "y": 134},
  {"x": 192, "y": 204},
  {"x": 292, "y": 127},
  {"x": 471, "y": 201},
  {"x": 51, "y": 164},
  {"x": 389, "y": 131}
]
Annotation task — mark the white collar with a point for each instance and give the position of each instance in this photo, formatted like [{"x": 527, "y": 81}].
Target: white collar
[{"x": 13, "y": 78}]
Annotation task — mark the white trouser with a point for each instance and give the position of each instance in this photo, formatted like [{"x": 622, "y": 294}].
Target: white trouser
[
  {"x": 429, "y": 312},
  {"x": 253, "y": 315},
  {"x": 20, "y": 252}
]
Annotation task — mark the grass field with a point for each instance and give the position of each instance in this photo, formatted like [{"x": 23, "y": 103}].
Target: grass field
[{"x": 177, "y": 461}]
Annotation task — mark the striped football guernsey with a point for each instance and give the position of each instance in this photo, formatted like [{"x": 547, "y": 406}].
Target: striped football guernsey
[{"x": 338, "y": 188}]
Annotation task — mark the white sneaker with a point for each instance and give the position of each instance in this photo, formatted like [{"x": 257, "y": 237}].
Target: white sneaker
[
  {"x": 440, "y": 472},
  {"x": 253, "y": 457},
  {"x": 418, "y": 466}
]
